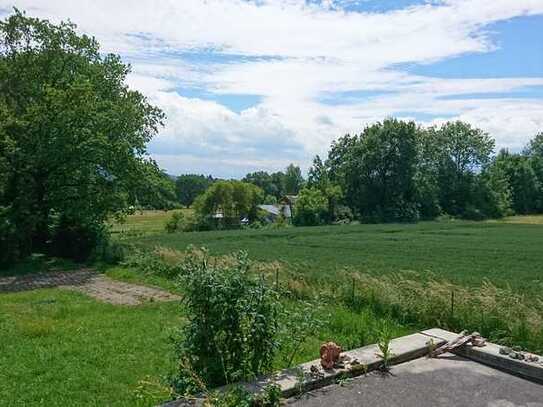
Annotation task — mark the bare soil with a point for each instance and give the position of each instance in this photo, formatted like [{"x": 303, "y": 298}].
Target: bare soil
[{"x": 89, "y": 282}]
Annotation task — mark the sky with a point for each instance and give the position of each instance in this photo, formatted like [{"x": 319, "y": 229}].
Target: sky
[{"x": 257, "y": 84}]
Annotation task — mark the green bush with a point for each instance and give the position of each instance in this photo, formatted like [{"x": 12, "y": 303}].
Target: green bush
[
  {"x": 233, "y": 324},
  {"x": 175, "y": 223}
]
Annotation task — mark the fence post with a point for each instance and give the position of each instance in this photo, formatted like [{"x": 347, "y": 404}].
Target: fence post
[{"x": 452, "y": 304}]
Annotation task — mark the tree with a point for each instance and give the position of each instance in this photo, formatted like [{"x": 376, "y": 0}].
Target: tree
[
  {"x": 190, "y": 186},
  {"x": 311, "y": 208},
  {"x": 293, "y": 179},
  {"x": 534, "y": 152},
  {"x": 427, "y": 175},
  {"x": 493, "y": 196},
  {"x": 521, "y": 178},
  {"x": 73, "y": 137},
  {"x": 272, "y": 185},
  {"x": 377, "y": 170},
  {"x": 225, "y": 203},
  {"x": 156, "y": 190},
  {"x": 463, "y": 151},
  {"x": 319, "y": 178}
]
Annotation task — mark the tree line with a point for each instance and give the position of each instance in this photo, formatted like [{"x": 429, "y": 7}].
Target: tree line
[{"x": 396, "y": 171}]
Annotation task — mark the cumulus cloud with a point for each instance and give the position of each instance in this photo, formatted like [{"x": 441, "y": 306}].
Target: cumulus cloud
[{"x": 294, "y": 54}]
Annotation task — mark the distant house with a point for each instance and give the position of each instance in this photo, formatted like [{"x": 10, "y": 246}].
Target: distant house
[{"x": 285, "y": 207}]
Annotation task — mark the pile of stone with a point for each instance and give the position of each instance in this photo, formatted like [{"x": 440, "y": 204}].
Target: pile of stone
[{"x": 518, "y": 354}]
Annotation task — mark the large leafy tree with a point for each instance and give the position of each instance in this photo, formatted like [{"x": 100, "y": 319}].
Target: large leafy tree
[
  {"x": 319, "y": 179},
  {"x": 294, "y": 180},
  {"x": 377, "y": 170},
  {"x": 190, "y": 186},
  {"x": 522, "y": 180},
  {"x": 225, "y": 203},
  {"x": 534, "y": 152},
  {"x": 156, "y": 191},
  {"x": 72, "y": 135},
  {"x": 311, "y": 208},
  {"x": 462, "y": 152}
]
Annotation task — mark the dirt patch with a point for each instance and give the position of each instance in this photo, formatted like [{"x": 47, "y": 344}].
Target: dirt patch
[{"x": 91, "y": 283}]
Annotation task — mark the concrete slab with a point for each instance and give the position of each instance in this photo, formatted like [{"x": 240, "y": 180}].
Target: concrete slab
[
  {"x": 403, "y": 349},
  {"x": 490, "y": 355},
  {"x": 449, "y": 380}
]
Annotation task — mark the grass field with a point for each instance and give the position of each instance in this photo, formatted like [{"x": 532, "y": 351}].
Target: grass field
[
  {"x": 507, "y": 252},
  {"x": 60, "y": 348},
  {"x": 144, "y": 223}
]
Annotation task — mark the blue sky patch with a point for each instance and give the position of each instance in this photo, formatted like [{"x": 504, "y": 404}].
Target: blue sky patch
[
  {"x": 350, "y": 97},
  {"x": 534, "y": 92},
  {"x": 234, "y": 102},
  {"x": 519, "y": 53}
]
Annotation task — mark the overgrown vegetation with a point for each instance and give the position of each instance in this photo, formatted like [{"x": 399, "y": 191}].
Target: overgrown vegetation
[{"x": 233, "y": 323}]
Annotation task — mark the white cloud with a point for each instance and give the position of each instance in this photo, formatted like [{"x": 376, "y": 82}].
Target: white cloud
[{"x": 293, "y": 54}]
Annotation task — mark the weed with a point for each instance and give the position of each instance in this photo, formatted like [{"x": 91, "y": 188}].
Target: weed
[{"x": 384, "y": 347}]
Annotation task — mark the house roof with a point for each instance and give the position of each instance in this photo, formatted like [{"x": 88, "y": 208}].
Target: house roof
[{"x": 273, "y": 209}]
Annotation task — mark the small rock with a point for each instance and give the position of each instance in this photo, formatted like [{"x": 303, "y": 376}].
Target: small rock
[
  {"x": 532, "y": 358},
  {"x": 516, "y": 355},
  {"x": 504, "y": 350}
]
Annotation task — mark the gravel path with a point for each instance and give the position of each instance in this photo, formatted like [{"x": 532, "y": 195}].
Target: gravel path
[{"x": 89, "y": 282}]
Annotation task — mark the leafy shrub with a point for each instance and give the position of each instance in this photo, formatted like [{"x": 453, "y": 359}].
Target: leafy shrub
[
  {"x": 343, "y": 214},
  {"x": 233, "y": 323},
  {"x": 9, "y": 239},
  {"x": 175, "y": 223}
]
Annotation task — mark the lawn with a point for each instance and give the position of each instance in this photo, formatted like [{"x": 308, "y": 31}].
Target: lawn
[
  {"x": 509, "y": 252},
  {"x": 60, "y": 348}
]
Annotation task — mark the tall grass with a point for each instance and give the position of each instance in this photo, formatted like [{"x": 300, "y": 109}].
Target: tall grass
[
  {"x": 501, "y": 314},
  {"x": 411, "y": 299}
]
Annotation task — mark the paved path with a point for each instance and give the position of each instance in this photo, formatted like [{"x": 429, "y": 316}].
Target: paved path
[
  {"x": 89, "y": 282},
  {"x": 447, "y": 381}
]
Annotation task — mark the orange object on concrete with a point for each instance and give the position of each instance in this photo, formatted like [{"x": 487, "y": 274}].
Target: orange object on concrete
[{"x": 329, "y": 354}]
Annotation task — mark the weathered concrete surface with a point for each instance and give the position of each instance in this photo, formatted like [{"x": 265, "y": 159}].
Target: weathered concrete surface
[
  {"x": 89, "y": 282},
  {"x": 490, "y": 355},
  {"x": 403, "y": 349},
  {"x": 449, "y": 380}
]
